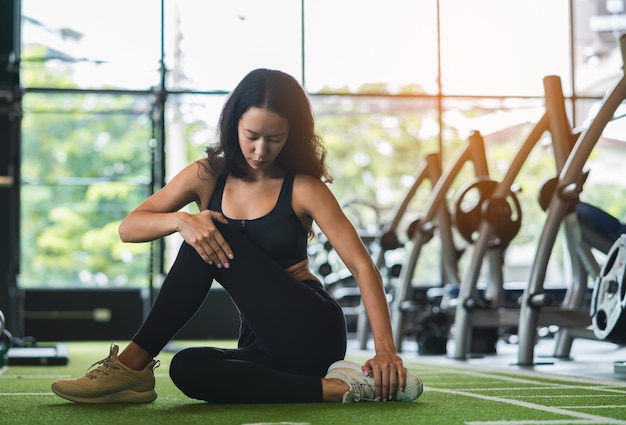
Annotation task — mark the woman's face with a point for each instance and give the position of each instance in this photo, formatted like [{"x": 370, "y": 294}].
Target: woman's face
[{"x": 262, "y": 135}]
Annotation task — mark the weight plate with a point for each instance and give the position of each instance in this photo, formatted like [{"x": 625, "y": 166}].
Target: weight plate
[{"x": 608, "y": 299}]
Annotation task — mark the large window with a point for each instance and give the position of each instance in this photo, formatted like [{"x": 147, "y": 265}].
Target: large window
[
  {"x": 120, "y": 95},
  {"x": 87, "y": 160}
]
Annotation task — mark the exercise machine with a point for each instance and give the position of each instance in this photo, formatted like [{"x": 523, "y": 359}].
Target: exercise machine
[
  {"x": 435, "y": 219},
  {"x": 387, "y": 239},
  {"x": 494, "y": 220},
  {"x": 561, "y": 211}
]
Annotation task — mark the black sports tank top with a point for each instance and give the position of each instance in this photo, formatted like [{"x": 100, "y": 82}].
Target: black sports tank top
[{"x": 279, "y": 233}]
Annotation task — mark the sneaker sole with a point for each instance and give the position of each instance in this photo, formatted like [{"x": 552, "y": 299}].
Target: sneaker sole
[{"x": 119, "y": 397}]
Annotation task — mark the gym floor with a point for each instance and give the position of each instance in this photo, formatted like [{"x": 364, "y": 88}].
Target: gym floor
[{"x": 591, "y": 359}]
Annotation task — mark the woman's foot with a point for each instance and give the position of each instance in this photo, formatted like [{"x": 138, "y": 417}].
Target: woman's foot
[
  {"x": 110, "y": 382},
  {"x": 362, "y": 388}
]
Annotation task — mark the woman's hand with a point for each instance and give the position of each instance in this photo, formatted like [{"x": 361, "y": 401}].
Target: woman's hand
[
  {"x": 199, "y": 231},
  {"x": 388, "y": 372}
]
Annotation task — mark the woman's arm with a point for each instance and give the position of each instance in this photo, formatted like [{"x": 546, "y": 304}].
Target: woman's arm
[
  {"x": 160, "y": 215},
  {"x": 318, "y": 201}
]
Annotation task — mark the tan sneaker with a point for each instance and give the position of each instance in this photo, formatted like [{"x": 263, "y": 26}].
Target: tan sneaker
[
  {"x": 362, "y": 387},
  {"x": 110, "y": 382}
]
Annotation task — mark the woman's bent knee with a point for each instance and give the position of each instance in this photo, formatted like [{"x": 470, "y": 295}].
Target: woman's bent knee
[{"x": 183, "y": 372}]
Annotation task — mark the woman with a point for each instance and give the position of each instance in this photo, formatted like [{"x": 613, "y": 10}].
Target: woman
[{"x": 258, "y": 191}]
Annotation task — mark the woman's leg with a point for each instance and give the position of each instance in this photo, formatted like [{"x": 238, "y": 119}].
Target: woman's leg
[
  {"x": 227, "y": 376},
  {"x": 291, "y": 332},
  {"x": 129, "y": 377},
  {"x": 297, "y": 324},
  {"x": 181, "y": 295}
]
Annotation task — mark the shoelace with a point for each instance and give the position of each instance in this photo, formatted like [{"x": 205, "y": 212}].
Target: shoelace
[
  {"x": 106, "y": 364},
  {"x": 103, "y": 365},
  {"x": 360, "y": 389}
]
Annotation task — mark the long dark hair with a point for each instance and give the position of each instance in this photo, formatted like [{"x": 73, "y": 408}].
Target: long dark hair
[{"x": 280, "y": 93}]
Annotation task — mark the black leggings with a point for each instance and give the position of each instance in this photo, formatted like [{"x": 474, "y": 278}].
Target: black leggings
[{"x": 291, "y": 331}]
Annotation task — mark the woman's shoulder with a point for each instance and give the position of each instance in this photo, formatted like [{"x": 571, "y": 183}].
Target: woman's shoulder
[
  {"x": 307, "y": 180},
  {"x": 201, "y": 171},
  {"x": 309, "y": 188},
  {"x": 199, "y": 180},
  {"x": 196, "y": 176}
]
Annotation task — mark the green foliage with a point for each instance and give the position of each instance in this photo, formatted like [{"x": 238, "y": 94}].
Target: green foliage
[
  {"x": 372, "y": 151},
  {"x": 86, "y": 165},
  {"x": 88, "y": 158}
]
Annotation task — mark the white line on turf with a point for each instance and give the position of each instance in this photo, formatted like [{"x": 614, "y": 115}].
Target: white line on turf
[
  {"x": 604, "y": 406},
  {"x": 25, "y": 394},
  {"x": 566, "y": 395},
  {"x": 546, "y": 388},
  {"x": 157, "y": 375},
  {"x": 36, "y": 377},
  {"x": 588, "y": 419},
  {"x": 555, "y": 422},
  {"x": 278, "y": 423},
  {"x": 527, "y": 375}
]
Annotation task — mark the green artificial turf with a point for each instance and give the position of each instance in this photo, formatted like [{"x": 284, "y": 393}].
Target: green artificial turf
[{"x": 453, "y": 395}]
